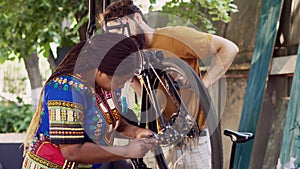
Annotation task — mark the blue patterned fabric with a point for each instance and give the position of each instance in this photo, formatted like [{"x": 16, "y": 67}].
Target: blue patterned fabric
[{"x": 70, "y": 114}]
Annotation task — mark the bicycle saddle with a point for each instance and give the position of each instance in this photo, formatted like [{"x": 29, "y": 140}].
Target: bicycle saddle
[{"x": 238, "y": 137}]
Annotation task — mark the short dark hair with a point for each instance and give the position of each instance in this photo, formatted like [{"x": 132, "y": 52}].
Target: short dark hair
[{"x": 118, "y": 9}]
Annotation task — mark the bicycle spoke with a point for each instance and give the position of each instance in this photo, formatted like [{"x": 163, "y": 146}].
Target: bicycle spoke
[{"x": 172, "y": 84}]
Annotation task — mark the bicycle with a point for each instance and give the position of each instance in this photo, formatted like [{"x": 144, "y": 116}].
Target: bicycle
[
  {"x": 155, "y": 68},
  {"x": 173, "y": 75},
  {"x": 170, "y": 76}
]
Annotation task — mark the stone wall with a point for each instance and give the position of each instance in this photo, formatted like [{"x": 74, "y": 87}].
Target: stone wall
[{"x": 236, "y": 87}]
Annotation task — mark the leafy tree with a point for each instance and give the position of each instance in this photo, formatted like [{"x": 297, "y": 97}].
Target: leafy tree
[
  {"x": 28, "y": 27},
  {"x": 200, "y": 13}
]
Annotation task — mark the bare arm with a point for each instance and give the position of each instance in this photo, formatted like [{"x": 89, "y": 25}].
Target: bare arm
[
  {"x": 90, "y": 153},
  {"x": 223, "y": 52},
  {"x": 133, "y": 131}
]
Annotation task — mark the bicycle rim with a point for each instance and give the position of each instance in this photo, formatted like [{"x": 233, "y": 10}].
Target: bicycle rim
[{"x": 173, "y": 66}]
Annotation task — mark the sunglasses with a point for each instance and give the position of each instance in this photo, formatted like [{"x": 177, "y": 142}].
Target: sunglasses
[{"x": 121, "y": 25}]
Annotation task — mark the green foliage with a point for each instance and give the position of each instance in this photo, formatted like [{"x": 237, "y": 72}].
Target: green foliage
[
  {"x": 14, "y": 117},
  {"x": 30, "y": 26},
  {"x": 200, "y": 13}
]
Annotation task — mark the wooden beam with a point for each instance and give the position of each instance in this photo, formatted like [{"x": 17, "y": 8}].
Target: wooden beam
[
  {"x": 290, "y": 148},
  {"x": 283, "y": 65},
  {"x": 263, "y": 52}
]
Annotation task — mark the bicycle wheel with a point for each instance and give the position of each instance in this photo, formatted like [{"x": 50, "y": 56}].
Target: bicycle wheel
[{"x": 173, "y": 84}]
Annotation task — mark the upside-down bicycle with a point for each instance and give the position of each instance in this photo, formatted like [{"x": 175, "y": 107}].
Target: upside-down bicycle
[
  {"x": 165, "y": 82},
  {"x": 168, "y": 79}
]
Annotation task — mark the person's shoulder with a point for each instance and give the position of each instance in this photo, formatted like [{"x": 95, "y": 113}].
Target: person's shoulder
[
  {"x": 66, "y": 83},
  {"x": 181, "y": 31},
  {"x": 169, "y": 29},
  {"x": 176, "y": 28}
]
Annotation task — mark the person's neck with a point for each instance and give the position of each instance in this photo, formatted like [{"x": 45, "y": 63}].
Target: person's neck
[
  {"x": 88, "y": 77},
  {"x": 149, "y": 33}
]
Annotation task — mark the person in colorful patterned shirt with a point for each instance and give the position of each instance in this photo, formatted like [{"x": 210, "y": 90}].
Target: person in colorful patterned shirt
[{"x": 78, "y": 117}]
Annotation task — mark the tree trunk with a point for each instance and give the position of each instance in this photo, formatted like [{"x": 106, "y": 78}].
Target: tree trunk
[
  {"x": 32, "y": 67},
  {"x": 51, "y": 61}
]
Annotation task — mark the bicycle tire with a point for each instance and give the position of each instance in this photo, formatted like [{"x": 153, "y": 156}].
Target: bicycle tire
[{"x": 200, "y": 91}]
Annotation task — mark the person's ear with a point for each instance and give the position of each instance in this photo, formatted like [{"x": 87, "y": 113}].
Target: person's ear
[{"x": 138, "y": 18}]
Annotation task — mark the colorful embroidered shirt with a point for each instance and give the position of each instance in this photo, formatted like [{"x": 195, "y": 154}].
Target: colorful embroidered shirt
[{"x": 72, "y": 113}]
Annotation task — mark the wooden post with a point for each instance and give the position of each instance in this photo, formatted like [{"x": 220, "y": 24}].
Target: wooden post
[
  {"x": 259, "y": 70},
  {"x": 290, "y": 148}
]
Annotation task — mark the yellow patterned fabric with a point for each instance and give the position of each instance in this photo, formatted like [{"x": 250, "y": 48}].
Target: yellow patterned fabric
[
  {"x": 33, "y": 161},
  {"x": 65, "y": 122}
]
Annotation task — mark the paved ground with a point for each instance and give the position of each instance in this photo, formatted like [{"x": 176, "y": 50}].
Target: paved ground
[{"x": 12, "y": 137}]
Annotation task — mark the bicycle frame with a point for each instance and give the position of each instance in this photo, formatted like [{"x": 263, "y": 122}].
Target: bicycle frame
[
  {"x": 151, "y": 60},
  {"x": 147, "y": 74}
]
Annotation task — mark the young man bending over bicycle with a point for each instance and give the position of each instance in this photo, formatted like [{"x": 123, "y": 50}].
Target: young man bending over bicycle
[{"x": 185, "y": 43}]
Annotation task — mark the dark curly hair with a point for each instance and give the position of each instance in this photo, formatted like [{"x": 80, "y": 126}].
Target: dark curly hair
[
  {"x": 109, "y": 52},
  {"x": 119, "y": 8}
]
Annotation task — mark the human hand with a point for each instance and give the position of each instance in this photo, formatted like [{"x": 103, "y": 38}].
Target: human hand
[
  {"x": 138, "y": 148},
  {"x": 143, "y": 133}
]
